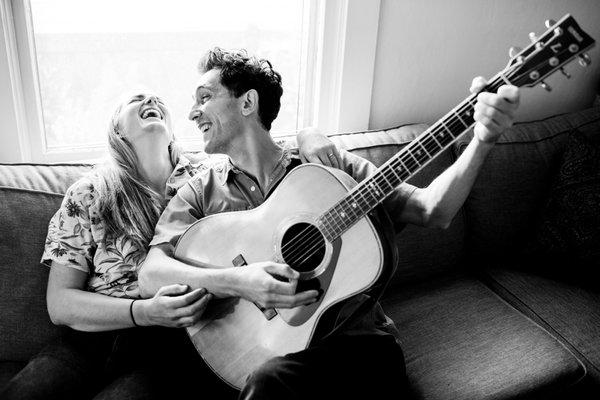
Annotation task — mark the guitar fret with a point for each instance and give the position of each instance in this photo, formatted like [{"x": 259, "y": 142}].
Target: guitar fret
[
  {"x": 424, "y": 148},
  {"x": 413, "y": 157},
  {"x": 403, "y": 166},
  {"x": 422, "y": 154},
  {"x": 390, "y": 185},
  {"x": 398, "y": 178},
  {"x": 461, "y": 120},
  {"x": 435, "y": 139},
  {"x": 448, "y": 136}
]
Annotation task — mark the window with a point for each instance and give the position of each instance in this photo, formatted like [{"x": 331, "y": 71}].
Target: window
[
  {"x": 70, "y": 60},
  {"x": 89, "y": 53}
]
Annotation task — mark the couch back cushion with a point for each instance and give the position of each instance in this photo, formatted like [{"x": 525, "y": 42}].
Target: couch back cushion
[
  {"x": 424, "y": 252},
  {"x": 30, "y": 195},
  {"x": 503, "y": 208}
]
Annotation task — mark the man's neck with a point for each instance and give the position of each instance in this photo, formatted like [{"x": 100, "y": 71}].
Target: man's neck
[{"x": 256, "y": 153}]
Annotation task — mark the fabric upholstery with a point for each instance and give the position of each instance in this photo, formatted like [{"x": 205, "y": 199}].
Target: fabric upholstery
[
  {"x": 462, "y": 341},
  {"x": 571, "y": 309},
  {"x": 29, "y": 196},
  {"x": 503, "y": 206},
  {"x": 569, "y": 227}
]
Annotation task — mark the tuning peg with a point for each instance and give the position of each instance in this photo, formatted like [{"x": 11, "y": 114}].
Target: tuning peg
[
  {"x": 513, "y": 51},
  {"x": 584, "y": 60},
  {"x": 549, "y": 23},
  {"x": 565, "y": 73},
  {"x": 546, "y": 86},
  {"x": 532, "y": 37}
]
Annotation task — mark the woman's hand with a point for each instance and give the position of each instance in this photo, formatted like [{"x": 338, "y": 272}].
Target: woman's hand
[
  {"x": 172, "y": 306},
  {"x": 315, "y": 147}
]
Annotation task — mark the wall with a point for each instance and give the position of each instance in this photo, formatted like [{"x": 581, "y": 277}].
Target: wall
[
  {"x": 429, "y": 50},
  {"x": 10, "y": 147}
]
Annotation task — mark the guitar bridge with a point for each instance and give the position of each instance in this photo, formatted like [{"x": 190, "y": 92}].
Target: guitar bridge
[{"x": 269, "y": 313}]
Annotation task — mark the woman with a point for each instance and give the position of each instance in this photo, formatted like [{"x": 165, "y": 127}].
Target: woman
[{"x": 96, "y": 243}]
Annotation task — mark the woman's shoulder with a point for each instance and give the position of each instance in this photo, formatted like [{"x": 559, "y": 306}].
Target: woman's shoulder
[{"x": 83, "y": 190}]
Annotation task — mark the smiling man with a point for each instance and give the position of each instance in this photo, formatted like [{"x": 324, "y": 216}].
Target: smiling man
[{"x": 237, "y": 98}]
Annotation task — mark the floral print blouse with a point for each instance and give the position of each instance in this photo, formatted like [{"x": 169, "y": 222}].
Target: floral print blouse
[{"x": 76, "y": 237}]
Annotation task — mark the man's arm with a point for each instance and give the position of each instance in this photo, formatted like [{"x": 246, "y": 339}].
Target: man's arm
[
  {"x": 257, "y": 282},
  {"x": 436, "y": 205}
]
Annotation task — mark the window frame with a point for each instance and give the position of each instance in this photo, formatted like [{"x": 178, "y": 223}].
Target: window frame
[{"x": 335, "y": 86}]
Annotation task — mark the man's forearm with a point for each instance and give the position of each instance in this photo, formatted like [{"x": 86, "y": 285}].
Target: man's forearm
[
  {"x": 161, "y": 269},
  {"x": 449, "y": 190}
]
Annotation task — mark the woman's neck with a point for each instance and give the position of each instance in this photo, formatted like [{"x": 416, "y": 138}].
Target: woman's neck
[{"x": 155, "y": 167}]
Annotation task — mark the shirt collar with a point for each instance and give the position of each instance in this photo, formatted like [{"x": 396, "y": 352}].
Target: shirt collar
[{"x": 228, "y": 168}]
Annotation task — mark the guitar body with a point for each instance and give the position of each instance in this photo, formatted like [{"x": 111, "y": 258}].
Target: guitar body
[{"x": 235, "y": 336}]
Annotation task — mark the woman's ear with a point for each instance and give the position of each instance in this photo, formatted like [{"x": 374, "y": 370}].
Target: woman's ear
[{"x": 250, "y": 102}]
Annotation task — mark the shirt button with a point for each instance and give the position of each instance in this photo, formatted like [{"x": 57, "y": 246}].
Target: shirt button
[{"x": 252, "y": 188}]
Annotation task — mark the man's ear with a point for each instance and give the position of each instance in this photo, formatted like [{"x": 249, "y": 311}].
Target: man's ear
[{"x": 250, "y": 102}]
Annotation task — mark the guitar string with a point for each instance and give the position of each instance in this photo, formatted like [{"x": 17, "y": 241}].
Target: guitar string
[
  {"x": 387, "y": 178},
  {"x": 426, "y": 142},
  {"x": 423, "y": 142}
]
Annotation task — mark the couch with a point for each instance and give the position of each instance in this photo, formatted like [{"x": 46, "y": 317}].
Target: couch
[{"x": 479, "y": 316}]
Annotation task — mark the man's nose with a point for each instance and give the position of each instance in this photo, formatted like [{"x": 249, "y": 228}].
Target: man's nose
[{"x": 195, "y": 112}]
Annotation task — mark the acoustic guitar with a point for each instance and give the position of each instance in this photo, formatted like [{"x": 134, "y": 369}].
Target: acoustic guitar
[{"x": 318, "y": 221}]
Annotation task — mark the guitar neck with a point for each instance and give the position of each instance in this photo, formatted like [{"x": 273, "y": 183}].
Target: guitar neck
[
  {"x": 402, "y": 166},
  {"x": 561, "y": 43}
]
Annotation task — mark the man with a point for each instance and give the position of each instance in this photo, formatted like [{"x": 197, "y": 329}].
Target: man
[{"x": 236, "y": 99}]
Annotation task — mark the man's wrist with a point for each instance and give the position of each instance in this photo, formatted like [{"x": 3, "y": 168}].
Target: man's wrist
[
  {"x": 227, "y": 282},
  {"x": 485, "y": 144}
]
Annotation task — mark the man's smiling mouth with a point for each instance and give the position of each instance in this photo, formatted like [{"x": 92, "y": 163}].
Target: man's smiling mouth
[{"x": 204, "y": 126}]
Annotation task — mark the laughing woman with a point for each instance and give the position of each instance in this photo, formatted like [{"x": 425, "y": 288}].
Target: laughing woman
[{"x": 96, "y": 243}]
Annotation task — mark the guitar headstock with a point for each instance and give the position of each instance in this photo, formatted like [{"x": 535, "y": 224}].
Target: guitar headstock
[{"x": 562, "y": 42}]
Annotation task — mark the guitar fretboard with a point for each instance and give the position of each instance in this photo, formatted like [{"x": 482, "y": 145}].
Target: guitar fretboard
[{"x": 411, "y": 159}]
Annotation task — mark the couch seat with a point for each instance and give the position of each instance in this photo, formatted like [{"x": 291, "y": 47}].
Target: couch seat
[
  {"x": 462, "y": 341},
  {"x": 570, "y": 307}
]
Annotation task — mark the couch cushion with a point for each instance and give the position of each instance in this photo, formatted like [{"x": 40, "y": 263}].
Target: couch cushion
[
  {"x": 572, "y": 310},
  {"x": 424, "y": 252},
  {"x": 503, "y": 206},
  {"x": 29, "y": 194},
  {"x": 462, "y": 341},
  {"x": 569, "y": 228}
]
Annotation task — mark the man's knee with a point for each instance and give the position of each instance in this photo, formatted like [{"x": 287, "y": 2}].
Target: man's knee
[{"x": 268, "y": 382}]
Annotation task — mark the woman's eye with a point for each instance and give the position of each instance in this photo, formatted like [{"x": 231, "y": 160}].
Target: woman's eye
[{"x": 134, "y": 99}]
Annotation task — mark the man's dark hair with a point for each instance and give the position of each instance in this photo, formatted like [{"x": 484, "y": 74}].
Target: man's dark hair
[{"x": 241, "y": 72}]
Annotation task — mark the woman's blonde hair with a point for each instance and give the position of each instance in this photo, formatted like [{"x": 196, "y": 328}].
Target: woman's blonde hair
[{"x": 128, "y": 206}]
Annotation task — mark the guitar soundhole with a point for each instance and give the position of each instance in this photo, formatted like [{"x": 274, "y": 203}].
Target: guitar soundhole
[{"x": 303, "y": 247}]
